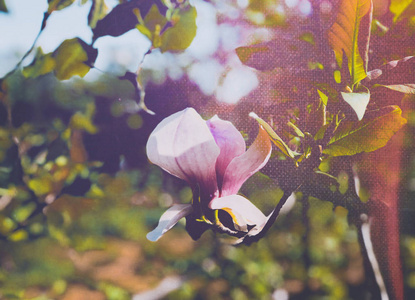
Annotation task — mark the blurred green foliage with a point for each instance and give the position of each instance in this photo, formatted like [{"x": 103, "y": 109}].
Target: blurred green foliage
[
  {"x": 77, "y": 194},
  {"x": 93, "y": 237}
]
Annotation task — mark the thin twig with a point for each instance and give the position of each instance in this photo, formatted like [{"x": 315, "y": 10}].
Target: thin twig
[
  {"x": 249, "y": 239},
  {"x": 42, "y": 27},
  {"x": 370, "y": 258}
]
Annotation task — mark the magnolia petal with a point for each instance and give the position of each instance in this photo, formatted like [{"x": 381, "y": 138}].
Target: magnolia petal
[
  {"x": 253, "y": 231},
  {"x": 242, "y": 210},
  {"x": 196, "y": 151},
  {"x": 183, "y": 146},
  {"x": 169, "y": 219},
  {"x": 358, "y": 101},
  {"x": 230, "y": 142},
  {"x": 160, "y": 145},
  {"x": 289, "y": 204},
  {"x": 245, "y": 165}
]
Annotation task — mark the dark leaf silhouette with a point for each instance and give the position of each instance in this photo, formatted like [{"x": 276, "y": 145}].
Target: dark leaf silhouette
[
  {"x": 3, "y": 6},
  {"x": 97, "y": 12},
  {"x": 284, "y": 52},
  {"x": 123, "y": 18},
  {"x": 58, "y": 4}
]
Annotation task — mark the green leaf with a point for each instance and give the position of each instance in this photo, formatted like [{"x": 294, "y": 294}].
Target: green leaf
[
  {"x": 403, "y": 88},
  {"x": 321, "y": 132},
  {"x": 358, "y": 101},
  {"x": 274, "y": 136},
  {"x": 3, "y": 6},
  {"x": 42, "y": 64},
  {"x": 402, "y": 9},
  {"x": 297, "y": 130},
  {"x": 152, "y": 24},
  {"x": 367, "y": 135},
  {"x": 58, "y": 4},
  {"x": 41, "y": 185},
  {"x": 124, "y": 17},
  {"x": 323, "y": 97},
  {"x": 154, "y": 18},
  {"x": 343, "y": 36},
  {"x": 180, "y": 36},
  {"x": 73, "y": 57},
  {"x": 97, "y": 12}
]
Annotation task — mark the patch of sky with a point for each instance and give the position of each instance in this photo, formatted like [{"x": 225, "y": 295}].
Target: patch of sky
[{"x": 126, "y": 52}]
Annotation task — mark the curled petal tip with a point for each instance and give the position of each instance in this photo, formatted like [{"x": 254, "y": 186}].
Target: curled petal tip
[
  {"x": 245, "y": 165},
  {"x": 154, "y": 236},
  {"x": 143, "y": 106},
  {"x": 242, "y": 210},
  {"x": 168, "y": 220},
  {"x": 214, "y": 118},
  {"x": 253, "y": 115}
]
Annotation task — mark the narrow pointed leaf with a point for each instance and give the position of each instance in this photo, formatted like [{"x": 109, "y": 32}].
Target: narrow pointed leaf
[
  {"x": 343, "y": 36},
  {"x": 358, "y": 101},
  {"x": 97, "y": 12},
  {"x": 297, "y": 130},
  {"x": 403, "y": 88},
  {"x": 324, "y": 98},
  {"x": 396, "y": 72},
  {"x": 274, "y": 136},
  {"x": 367, "y": 135},
  {"x": 58, "y": 4}
]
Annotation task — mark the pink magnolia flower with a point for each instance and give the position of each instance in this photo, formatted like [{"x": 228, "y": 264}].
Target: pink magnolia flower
[{"x": 212, "y": 157}]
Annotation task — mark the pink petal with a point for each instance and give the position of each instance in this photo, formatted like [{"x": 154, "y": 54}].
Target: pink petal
[
  {"x": 169, "y": 219},
  {"x": 242, "y": 210},
  {"x": 183, "y": 146},
  {"x": 160, "y": 145},
  {"x": 196, "y": 151},
  {"x": 245, "y": 165},
  {"x": 230, "y": 142}
]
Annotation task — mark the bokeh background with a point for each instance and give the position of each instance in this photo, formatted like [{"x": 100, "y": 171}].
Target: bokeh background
[{"x": 82, "y": 152}]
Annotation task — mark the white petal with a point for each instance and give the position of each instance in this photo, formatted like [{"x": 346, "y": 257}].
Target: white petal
[
  {"x": 358, "y": 101},
  {"x": 254, "y": 231},
  {"x": 196, "y": 151},
  {"x": 160, "y": 145},
  {"x": 289, "y": 204},
  {"x": 169, "y": 219},
  {"x": 230, "y": 142},
  {"x": 241, "y": 209},
  {"x": 183, "y": 146}
]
